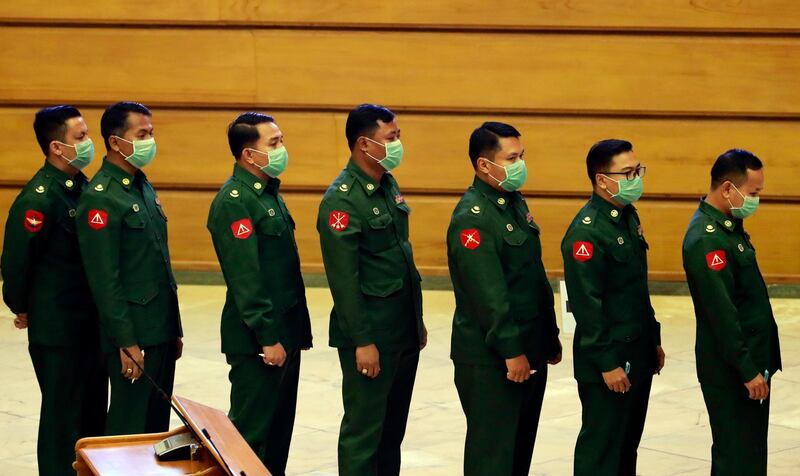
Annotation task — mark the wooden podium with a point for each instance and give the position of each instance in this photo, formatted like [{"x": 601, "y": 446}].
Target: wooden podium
[{"x": 227, "y": 453}]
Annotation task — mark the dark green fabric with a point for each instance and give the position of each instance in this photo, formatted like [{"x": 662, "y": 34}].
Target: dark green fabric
[
  {"x": 608, "y": 294},
  {"x": 74, "y": 388},
  {"x": 504, "y": 302},
  {"x": 377, "y": 298},
  {"x": 42, "y": 271},
  {"x": 253, "y": 235},
  {"x": 502, "y": 419},
  {"x": 375, "y": 413},
  {"x": 737, "y": 337},
  {"x": 126, "y": 259},
  {"x": 611, "y": 428},
  {"x": 263, "y": 404},
  {"x": 739, "y": 429},
  {"x": 138, "y": 407}
]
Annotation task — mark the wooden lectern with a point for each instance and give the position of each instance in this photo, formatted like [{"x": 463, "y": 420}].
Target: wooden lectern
[{"x": 226, "y": 453}]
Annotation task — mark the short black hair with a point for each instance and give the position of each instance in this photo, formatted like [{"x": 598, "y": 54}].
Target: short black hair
[
  {"x": 485, "y": 139},
  {"x": 363, "y": 121},
  {"x": 602, "y": 153},
  {"x": 115, "y": 118},
  {"x": 242, "y": 132},
  {"x": 733, "y": 165},
  {"x": 50, "y": 124}
]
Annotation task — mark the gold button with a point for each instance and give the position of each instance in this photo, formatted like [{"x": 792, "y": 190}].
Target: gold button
[
  {"x": 69, "y": 183},
  {"x": 728, "y": 223},
  {"x": 126, "y": 181},
  {"x": 343, "y": 187},
  {"x": 501, "y": 201},
  {"x": 234, "y": 193},
  {"x": 476, "y": 209},
  {"x": 614, "y": 213},
  {"x": 271, "y": 212},
  {"x": 370, "y": 187},
  {"x": 509, "y": 227},
  {"x": 72, "y": 212},
  {"x": 99, "y": 187},
  {"x": 376, "y": 211},
  {"x": 587, "y": 220},
  {"x": 620, "y": 240},
  {"x": 257, "y": 185},
  {"x": 136, "y": 207},
  {"x": 741, "y": 247},
  {"x": 710, "y": 228},
  {"x": 40, "y": 189}
]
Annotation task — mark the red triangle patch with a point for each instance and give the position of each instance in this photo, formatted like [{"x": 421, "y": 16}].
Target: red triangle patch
[
  {"x": 582, "y": 251},
  {"x": 717, "y": 260},
  {"x": 242, "y": 229},
  {"x": 98, "y": 219},
  {"x": 470, "y": 238}
]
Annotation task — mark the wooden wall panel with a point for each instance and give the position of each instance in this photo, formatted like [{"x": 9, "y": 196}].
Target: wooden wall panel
[
  {"x": 418, "y": 71},
  {"x": 712, "y": 15}
]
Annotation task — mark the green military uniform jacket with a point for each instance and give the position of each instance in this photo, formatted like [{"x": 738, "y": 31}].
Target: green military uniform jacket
[
  {"x": 504, "y": 302},
  {"x": 253, "y": 235},
  {"x": 363, "y": 228},
  {"x": 737, "y": 337},
  {"x": 41, "y": 264},
  {"x": 122, "y": 231},
  {"x": 605, "y": 267}
]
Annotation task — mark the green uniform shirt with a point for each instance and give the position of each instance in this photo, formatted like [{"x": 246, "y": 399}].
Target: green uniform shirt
[
  {"x": 41, "y": 263},
  {"x": 363, "y": 228},
  {"x": 253, "y": 235},
  {"x": 504, "y": 302},
  {"x": 605, "y": 268},
  {"x": 737, "y": 337},
  {"x": 122, "y": 231}
]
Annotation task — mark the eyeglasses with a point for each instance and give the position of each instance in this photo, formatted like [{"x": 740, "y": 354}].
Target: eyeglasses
[{"x": 637, "y": 172}]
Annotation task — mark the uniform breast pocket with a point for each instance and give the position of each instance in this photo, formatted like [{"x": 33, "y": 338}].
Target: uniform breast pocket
[
  {"x": 747, "y": 276},
  {"x": 271, "y": 226},
  {"x": 378, "y": 235},
  {"x": 519, "y": 246},
  {"x": 135, "y": 222}
]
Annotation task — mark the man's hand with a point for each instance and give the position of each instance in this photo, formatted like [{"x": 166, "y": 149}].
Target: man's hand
[
  {"x": 757, "y": 388},
  {"x": 424, "y": 341},
  {"x": 368, "y": 360},
  {"x": 274, "y": 354},
  {"x": 178, "y": 348},
  {"x": 555, "y": 360},
  {"x": 519, "y": 369},
  {"x": 617, "y": 380},
  {"x": 661, "y": 356},
  {"x": 21, "y": 321},
  {"x": 129, "y": 369}
]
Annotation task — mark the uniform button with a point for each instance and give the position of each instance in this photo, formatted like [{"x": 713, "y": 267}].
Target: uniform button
[
  {"x": 126, "y": 181},
  {"x": 741, "y": 247},
  {"x": 628, "y": 338},
  {"x": 271, "y": 212},
  {"x": 257, "y": 185},
  {"x": 475, "y": 209},
  {"x": 370, "y": 187},
  {"x": 501, "y": 201},
  {"x": 728, "y": 223},
  {"x": 376, "y": 211},
  {"x": 614, "y": 213},
  {"x": 72, "y": 213},
  {"x": 343, "y": 187},
  {"x": 98, "y": 187},
  {"x": 40, "y": 189},
  {"x": 587, "y": 220},
  {"x": 234, "y": 193},
  {"x": 136, "y": 207},
  {"x": 509, "y": 227},
  {"x": 620, "y": 240},
  {"x": 69, "y": 183}
]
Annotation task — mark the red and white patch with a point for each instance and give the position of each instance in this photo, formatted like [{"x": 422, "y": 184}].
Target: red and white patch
[
  {"x": 398, "y": 199},
  {"x": 34, "y": 220},
  {"x": 338, "y": 220},
  {"x": 242, "y": 229},
  {"x": 582, "y": 251},
  {"x": 98, "y": 219},
  {"x": 470, "y": 238},
  {"x": 717, "y": 260}
]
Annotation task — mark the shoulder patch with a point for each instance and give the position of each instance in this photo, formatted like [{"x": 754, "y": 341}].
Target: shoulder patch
[
  {"x": 34, "y": 220},
  {"x": 710, "y": 228},
  {"x": 338, "y": 220},
  {"x": 582, "y": 251},
  {"x": 98, "y": 219},
  {"x": 234, "y": 193},
  {"x": 470, "y": 238},
  {"x": 587, "y": 220},
  {"x": 475, "y": 209},
  {"x": 717, "y": 260},
  {"x": 242, "y": 229},
  {"x": 39, "y": 189}
]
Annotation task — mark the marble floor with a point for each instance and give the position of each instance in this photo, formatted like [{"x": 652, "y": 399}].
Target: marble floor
[{"x": 676, "y": 440}]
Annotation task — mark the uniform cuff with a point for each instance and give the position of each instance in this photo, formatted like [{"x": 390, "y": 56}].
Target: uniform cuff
[
  {"x": 266, "y": 337},
  {"x": 606, "y": 361},
  {"x": 509, "y": 348},
  {"x": 748, "y": 370},
  {"x": 657, "y": 332}
]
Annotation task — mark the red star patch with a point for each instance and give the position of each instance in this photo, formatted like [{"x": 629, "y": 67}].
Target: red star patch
[
  {"x": 242, "y": 229},
  {"x": 717, "y": 260},
  {"x": 33, "y": 221},
  {"x": 582, "y": 251},
  {"x": 471, "y": 238},
  {"x": 338, "y": 220},
  {"x": 98, "y": 219}
]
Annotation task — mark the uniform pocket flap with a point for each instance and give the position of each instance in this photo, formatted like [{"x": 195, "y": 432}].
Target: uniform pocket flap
[
  {"x": 381, "y": 288},
  {"x": 271, "y": 225},
  {"x": 516, "y": 238},
  {"x": 746, "y": 257},
  {"x": 134, "y": 220},
  {"x": 622, "y": 254},
  {"x": 626, "y": 333},
  {"x": 141, "y": 293},
  {"x": 379, "y": 222}
]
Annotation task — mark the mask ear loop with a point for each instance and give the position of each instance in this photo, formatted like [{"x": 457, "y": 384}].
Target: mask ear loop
[
  {"x": 373, "y": 157},
  {"x": 499, "y": 182},
  {"x": 68, "y": 161},
  {"x": 740, "y": 194},
  {"x": 612, "y": 195}
]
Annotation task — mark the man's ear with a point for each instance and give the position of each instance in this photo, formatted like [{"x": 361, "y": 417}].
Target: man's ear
[
  {"x": 113, "y": 143},
  {"x": 600, "y": 179},
  {"x": 726, "y": 189},
  {"x": 55, "y": 148}
]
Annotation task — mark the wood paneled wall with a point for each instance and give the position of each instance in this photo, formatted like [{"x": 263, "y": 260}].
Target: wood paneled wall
[{"x": 683, "y": 80}]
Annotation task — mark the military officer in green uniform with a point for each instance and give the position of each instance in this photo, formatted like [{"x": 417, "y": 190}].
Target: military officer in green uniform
[
  {"x": 617, "y": 344},
  {"x": 737, "y": 350},
  {"x": 504, "y": 327},
  {"x": 45, "y": 286},
  {"x": 265, "y": 308},
  {"x": 122, "y": 231},
  {"x": 376, "y": 321}
]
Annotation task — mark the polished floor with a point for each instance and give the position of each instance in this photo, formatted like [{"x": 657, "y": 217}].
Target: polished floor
[{"x": 677, "y": 438}]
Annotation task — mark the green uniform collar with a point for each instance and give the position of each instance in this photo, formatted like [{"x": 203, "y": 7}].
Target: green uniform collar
[
  {"x": 370, "y": 186},
  {"x": 499, "y": 198},
  {"x": 256, "y": 183},
  {"x": 607, "y": 209},
  {"x": 52, "y": 172},
  {"x": 725, "y": 221},
  {"x": 124, "y": 178}
]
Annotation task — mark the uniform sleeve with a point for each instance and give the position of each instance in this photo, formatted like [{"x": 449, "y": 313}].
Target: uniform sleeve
[
  {"x": 552, "y": 324},
  {"x": 233, "y": 233},
  {"x": 339, "y": 230},
  {"x": 713, "y": 297},
  {"x": 28, "y": 224},
  {"x": 475, "y": 253},
  {"x": 98, "y": 225},
  {"x": 585, "y": 277}
]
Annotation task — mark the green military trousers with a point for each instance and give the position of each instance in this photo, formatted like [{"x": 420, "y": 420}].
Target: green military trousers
[
  {"x": 738, "y": 430},
  {"x": 263, "y": 404},
  {"x": 502, "y": 419},
  {"x": 375, "y": 413},
  {"x": 611, "y": 428},
  {"x": 138, "y": 407},
  {"x": 74, "y": 390}
]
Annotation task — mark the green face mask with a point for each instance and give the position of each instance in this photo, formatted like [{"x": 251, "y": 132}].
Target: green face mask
[
  {"x": 277, "y": 160},
  {"x": 84, "y": 153},
  {"x": 144, "y": 151},
  {"x": 394, "y": 154},
  {"x": 749, "y": 205},
  {"x": 516, "y": 175},
  {"x": 630, "y": 190}
]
